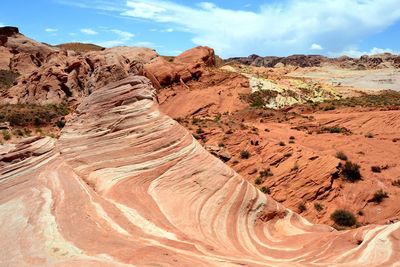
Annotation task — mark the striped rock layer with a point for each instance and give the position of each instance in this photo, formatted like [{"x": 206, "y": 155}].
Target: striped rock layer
[{"x": 126, "y": 185}]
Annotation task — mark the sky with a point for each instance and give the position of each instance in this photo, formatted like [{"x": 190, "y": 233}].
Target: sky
[{"x": 231, "y": 27}]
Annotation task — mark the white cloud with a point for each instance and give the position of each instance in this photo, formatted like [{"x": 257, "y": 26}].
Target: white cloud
[
  {"x": 357, "y": 53},
  {"x": 316, "y": 47},
  {"x": 275, "y": 28},
  {"x": 50, "y": 30},
  {"x": 123, "y": 35},
  {"x": 88, "y": 31},
  {"x": 2, "y": 24},
  {"x": 123, "y": 38}
]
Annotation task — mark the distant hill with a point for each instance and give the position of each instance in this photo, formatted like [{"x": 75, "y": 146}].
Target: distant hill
[{"x": 80, "y": 47}]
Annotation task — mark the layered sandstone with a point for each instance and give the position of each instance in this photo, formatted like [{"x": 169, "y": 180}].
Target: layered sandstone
[{"x": 127, "y": 185}]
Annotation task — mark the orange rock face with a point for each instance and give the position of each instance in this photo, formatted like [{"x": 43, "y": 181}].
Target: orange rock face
[
  {"x": 51, "y": 76},
  {"x": 187, "y": 66},
  {"x": 127, "y": 185}
]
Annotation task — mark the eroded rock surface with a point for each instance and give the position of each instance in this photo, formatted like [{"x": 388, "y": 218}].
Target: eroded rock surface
[{"x": 127, "y": 185}]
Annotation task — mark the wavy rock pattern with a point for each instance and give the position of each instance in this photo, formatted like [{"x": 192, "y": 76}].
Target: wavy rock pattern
[{"x": 127, "y": 185}]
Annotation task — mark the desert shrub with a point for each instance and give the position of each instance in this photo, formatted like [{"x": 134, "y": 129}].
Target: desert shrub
[
  {"x": 396, "y": 183},
  {"x": 351, "y": 171},
  {"x": 258, "y": 180},
  {"x": 343, "y": 218},
  {"x": 229, "y": 131},
  {"x": 287, "y": 155},
  {"x": 292, "y": 137},
  {"x": 6, "y": 134},
  {"x": 281, "y": 143},
  {"x": 369, "y": 135},
  {"x": 360, "y": 212},
  {"x": 220, "y": 144},
  {"x": 318, "y": 206},
  {"x": 199, "y": 131},
  {"x": 295, "y": 167},
  {"x": 60, "y": 124},
  {"x": 341, "y": 155},
  {"x": 335, "y": 129},
  {"x": 291, "y": 141},
  {"x": 379, "y": 196},
  {"x": 376, "y": 169},
  {"x": 217, "y": 117},
  {"x": 244, "y": 154},
  {"x": 330, "y": 107},
  {"x": 301, "y": 207},
  {"x": 265, "y": 190},
  {"x": 196, "y": 136},
  {"x": 266, "y": 173}
]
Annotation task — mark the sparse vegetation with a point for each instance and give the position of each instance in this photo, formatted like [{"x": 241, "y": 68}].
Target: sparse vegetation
[
  {"x": 259, "y": 181},
  {"x": 396, "y": 183},
  {"x": 376, "y": 169},
  {"x": 369, "y": 135},
  {"x": 318, "y": 206},
  {"x": 386, "y": 98},
  {"x": 301, "y": 207},
  {"x": 351, "y": 171},
  {"x": 199, "y": 131},
  {"x": 292, "y": 137},
  {"x": 295, "y": 167},
  {"x": 266, "y": 173},
  {"x": 7, "y": 79},
  {"x": 343, "y": 218},
  {"x": 379, "y": 196},
  {"x": 6, "y": 135},
  {"x": 341, "y": 155},
  {"x": 60, "y": 124},
  {"x": 265, "y": 190},
  {"x": 244, "y": 154},
  {"x": 287, "y": 155},
  {"x": 28, "y": 115},
  {"x": 281, "y": 143}
]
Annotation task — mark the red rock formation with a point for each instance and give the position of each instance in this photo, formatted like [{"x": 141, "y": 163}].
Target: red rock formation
[
  {"x": 190, "y": 65},
  {"x": 127, "y": 185},
  {"x": 52, "y": 76}
]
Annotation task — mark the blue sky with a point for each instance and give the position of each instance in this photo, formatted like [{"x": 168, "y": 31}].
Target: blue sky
[{"x": 232, "y": 28}]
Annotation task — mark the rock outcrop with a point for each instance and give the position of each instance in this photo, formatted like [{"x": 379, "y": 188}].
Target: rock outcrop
[
  {"x": 190, "y": 65},
  {"x": 51, "y": 76},
  {"x": 127, "y": 185},
  {"x": 379, "y": 61}
]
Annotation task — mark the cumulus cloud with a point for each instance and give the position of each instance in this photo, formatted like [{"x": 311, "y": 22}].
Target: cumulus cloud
[
  {"x": 50, "y": 30},
  {"x": 274, "y": 28},
  {"x": 122, "y": 38},
  {"x": 316, "y": 47},
  {"x": 357, "y": 53},
  {"x": 88, "y": 31}
]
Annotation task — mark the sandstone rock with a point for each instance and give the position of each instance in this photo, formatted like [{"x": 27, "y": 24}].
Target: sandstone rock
[
  {"x": 190, "y": 65},
  {"x": 144, "y": 192}
]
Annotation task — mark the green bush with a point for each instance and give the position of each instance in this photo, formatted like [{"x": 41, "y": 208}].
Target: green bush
[
  {"x": 351, "y": 171},
  {"x": 343, "y": 218}
]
